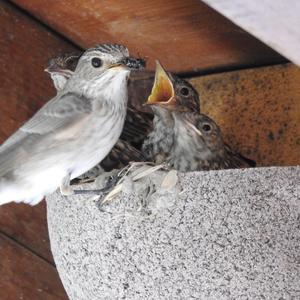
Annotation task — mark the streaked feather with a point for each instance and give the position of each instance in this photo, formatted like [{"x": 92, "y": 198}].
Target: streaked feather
[
  {"x": 195, "y": 149},
  {"x": 121, "y": 155},
  {"x": 137, "y": 126}
]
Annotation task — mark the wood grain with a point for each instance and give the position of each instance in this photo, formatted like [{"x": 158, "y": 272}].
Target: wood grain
[
  {"x": 185, "y": 35},
  {"x": 273, "y": 22},
  {"x": 26, "y": 46},
  {"x": 28, "y": 226},
  {"x": 25, "y": 276}
]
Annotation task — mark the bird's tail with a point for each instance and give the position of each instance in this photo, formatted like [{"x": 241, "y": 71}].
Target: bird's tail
[
  {"x": 6, "y": 191},
  {"x": 11, "y": 191}
]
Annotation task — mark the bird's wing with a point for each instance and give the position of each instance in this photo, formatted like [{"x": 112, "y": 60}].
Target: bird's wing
[
  {"x": 137, "y": 126},
  {"x": 57, "y": 113},
  {"x": 238, "y": 160},
  {"x": 58, "y": 116},
  {"x": 118, "y": 158},
  {"x": 121, "y": 155}
]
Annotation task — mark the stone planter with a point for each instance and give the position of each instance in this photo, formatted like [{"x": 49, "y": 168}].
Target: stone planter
[{"x": 232, "y": 234}]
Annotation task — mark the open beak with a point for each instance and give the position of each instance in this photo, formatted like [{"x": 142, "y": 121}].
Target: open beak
[{"x": 162, "y": 91}]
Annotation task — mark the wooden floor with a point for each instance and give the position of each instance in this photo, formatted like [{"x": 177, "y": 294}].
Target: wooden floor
[{"x": 187, "y": 36}]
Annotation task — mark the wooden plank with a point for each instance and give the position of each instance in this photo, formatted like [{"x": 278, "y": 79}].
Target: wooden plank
[
  {"x": 28, "y": 226},
  {"x": 26, "y": 47},
  {"x": 273, "y": 22},
  {"x": 25, "y": 276},
  {"x": 258, "y": 111},
  {"x": 185, "y": 35}
]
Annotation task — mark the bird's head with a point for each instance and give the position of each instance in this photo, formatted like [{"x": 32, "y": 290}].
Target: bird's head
[
  {"x": 173, "y": 93},
  {"x": 108, "y": 61},
  {"x": 205, "y": 132},
  {"x": 93, "y": 69},
  {"x": 64, "y": 64},
  {"x": 61, "y": 68}
]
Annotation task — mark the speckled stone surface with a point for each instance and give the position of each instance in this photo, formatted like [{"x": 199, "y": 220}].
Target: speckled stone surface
[{"x": 231, "y": 234}]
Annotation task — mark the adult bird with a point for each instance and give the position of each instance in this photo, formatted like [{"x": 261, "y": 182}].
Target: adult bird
[
  {"x": 71, "y": 133},
  {"x": 137, "y": 124},
  {"x": 197, "y": 139}
]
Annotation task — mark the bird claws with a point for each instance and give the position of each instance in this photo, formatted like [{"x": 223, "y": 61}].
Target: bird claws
[{"x": 111, "y": 182}]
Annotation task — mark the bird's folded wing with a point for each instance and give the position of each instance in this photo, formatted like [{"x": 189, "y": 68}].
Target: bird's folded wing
[
  {"x": 121, "y": 155},
  {"x": 137, "y": 126},
  {"x": 238, "y": 160},
  {"x": 56, "y": 114}
]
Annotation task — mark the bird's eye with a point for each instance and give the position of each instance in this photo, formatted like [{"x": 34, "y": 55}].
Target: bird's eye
[
  {"x": 206, "y": 127},
  {"x": 96, "y": 62},
  {"x": 184, "y": 91}
]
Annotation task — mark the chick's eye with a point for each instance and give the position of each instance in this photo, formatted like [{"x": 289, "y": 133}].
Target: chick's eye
[
  {"x": 206, "y": 127},
  {"x": 184, "y": 91},
  {"x": 96, "y": 62}
]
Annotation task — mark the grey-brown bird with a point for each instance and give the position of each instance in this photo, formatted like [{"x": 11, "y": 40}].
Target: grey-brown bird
[
  {"x": 199, "y": 145},
  {"x": 61, "y": 68},
  {"x": 137, "y": 124},
  {"x": 196, "y": 141},
  {"x": 168, "y": 90},
  {"x": 73, "y": 132}
]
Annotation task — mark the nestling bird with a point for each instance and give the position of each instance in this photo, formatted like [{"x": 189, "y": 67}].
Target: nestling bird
[
  {"x": 197, "y": 140},
  {"x": 168, "y": 90},
  {"x": 71, "y": 133},
  {"x": 137, "y": 124},
  {"x": 199, "y": 145},
  {"x": 61, "y": 68}
]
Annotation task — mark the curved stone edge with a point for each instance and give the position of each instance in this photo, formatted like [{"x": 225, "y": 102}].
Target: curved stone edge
[{"x": 229, "y": 234}]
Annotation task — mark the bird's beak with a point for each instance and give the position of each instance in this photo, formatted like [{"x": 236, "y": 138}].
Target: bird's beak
[
  {"x": 52, "y": 69},
  {"x": 193, "y": 128},
  {"x": 162, "y": 91},
  {"x": 117, "y": 65},
  {"x": 131, "y": 63},
  {"x": 55, "y": 69}
]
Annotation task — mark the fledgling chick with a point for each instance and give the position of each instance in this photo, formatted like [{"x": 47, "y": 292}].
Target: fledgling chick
[
  {"x": 197, "y": 142},
  {"x": 167, "y": 90},
  {"x": 199, "y": 145},
  {"x": 62, "y": 68},
  {"x": 71, "y": 133},
  {"x": 136, "y": 127}
]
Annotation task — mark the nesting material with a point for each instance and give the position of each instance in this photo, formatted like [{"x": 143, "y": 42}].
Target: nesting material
[
  {"x": 137, "y": 171},
  {"x": 231, "y": 234}
]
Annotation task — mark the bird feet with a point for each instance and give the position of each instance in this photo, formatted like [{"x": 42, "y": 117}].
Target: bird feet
[{"x": 65, "y": 188}]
